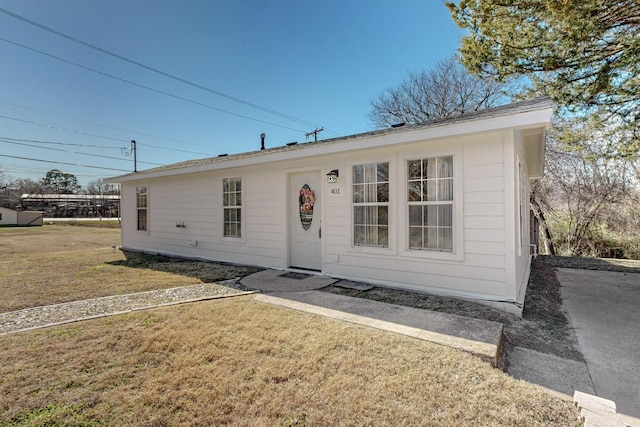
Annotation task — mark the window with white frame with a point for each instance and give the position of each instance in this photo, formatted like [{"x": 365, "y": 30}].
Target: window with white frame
[
  {"x": 371, "y": 204},
  {"x": 232, "y": 206},
  {"x": 431, "y": 203},
  {"x": 141, "y": 205}
]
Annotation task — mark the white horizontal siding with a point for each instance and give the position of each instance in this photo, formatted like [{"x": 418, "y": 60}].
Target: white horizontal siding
[
  {"x": 484, "y": 206},
  {"x": 484, "y": 170},
  {"x": 449, "y": 281},
  {"x": 484, "y": 235},
  {"x": 196, "y": 201},
  {"x": 483, "y": 248},
  {"x": 482, "y": 184},
  {"x": 487, "y": 196},
  {"x": 487, "y": 258},
  {"x": 473, "y": 221},
  {"x": 485, "y": 209}
]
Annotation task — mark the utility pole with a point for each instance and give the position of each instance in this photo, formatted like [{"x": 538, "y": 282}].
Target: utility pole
[
  {"x": 135, "y": 157},
  {"x": 314, "y": 133}
]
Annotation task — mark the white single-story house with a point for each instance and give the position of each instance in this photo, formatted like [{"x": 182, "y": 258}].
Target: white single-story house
[
  {"x": 441, "y": 207},
  {"x": 12, "y": 217}
]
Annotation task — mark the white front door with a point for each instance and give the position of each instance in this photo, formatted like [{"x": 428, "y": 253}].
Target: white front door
[{"x": 304, "y": 221}]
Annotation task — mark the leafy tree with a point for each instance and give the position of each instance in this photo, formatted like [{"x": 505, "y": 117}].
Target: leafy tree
[
  {"x": 59, "y": 182},
  {"x": 585, "y": 54},
  {"x": 445, "y": 90}
]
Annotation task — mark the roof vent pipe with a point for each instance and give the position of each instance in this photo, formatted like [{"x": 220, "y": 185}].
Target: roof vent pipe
[{"x": 262, "y": 136}]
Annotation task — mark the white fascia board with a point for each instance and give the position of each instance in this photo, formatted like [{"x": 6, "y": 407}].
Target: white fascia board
[{"x": 522, "y": 120}]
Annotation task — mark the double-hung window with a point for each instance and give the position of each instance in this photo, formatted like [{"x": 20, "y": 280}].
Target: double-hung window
[
  {"x": 431, "y": 203},
  {"x": 141, "y": 206},
  {"x": 371, "y": 204},
  {"x": 232, "y": 206}
]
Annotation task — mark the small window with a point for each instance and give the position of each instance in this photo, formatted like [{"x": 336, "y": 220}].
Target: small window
[
  {"x": 232, "y": 206},
  {"x": 141, "y": 205},
  {"x": 371, "y": 204},
  {"x": 431, "y": 203}
]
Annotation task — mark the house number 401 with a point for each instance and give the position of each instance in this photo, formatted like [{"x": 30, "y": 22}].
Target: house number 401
[{"x": 335, "y": 191}]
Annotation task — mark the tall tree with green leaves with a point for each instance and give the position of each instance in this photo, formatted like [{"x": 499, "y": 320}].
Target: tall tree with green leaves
[
  {"x": 60, "y": 182},
  {"x": 585, "y": 54}
]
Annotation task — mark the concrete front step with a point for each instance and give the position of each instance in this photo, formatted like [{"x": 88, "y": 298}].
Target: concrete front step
[{"x": 596, "y": 411}]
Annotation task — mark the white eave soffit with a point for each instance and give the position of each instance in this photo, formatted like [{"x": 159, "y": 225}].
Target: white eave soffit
[{"x": 533, "y": 144}]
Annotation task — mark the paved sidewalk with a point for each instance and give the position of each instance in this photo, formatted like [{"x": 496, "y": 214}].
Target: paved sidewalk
[
  {"x": 298, "y": 291},
  {"x": 482, "y": 338}
]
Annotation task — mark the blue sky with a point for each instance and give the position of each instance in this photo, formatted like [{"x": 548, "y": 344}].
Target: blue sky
[{"x": 319, "y": 62}]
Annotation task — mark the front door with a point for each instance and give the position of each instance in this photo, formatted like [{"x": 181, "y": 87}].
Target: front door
[{"x": 304, "y": 221}]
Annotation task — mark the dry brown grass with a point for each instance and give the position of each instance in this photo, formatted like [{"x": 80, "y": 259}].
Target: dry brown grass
[
  {"x": 231, "y": 361},
  {"x": 238, "y": 362},
  {"x": 61, "y": 263}
]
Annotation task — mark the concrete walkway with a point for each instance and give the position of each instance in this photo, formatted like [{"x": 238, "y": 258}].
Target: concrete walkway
[
  {"x": 604, "y": 308},
  {"x": 606, "y": 322},
  {"x": 296, "y": 291}
]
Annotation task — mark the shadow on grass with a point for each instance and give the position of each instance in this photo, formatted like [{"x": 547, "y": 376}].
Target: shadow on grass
[{"x": 207, "y": 272}]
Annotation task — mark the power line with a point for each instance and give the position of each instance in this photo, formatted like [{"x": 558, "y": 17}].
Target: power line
[
  {"x": 59, "y": 128},
  {"x": 147, "y": 87},
  {"x": 111, "y": 127},
  {"x": 61, "y": 143},
  {"x": 15, "y": 167},
  {"x": 94, "y": 135},
  {"x": 173, "y": 149},
  {"x": 73, "y": 152},
  {"x": 10, "y": 168},
  {"x": 155, "y": 70},
  {"x": 62, "y": 163}
]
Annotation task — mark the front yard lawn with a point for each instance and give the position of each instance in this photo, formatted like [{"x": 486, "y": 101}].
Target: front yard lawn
[{"x": 229, "y": 361}]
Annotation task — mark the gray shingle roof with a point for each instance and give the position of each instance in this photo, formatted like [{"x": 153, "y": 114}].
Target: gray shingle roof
[{"x": 488, "y": 113}]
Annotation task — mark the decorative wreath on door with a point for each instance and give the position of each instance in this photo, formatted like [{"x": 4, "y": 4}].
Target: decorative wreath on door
[{"x": 306, "y": 200}]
